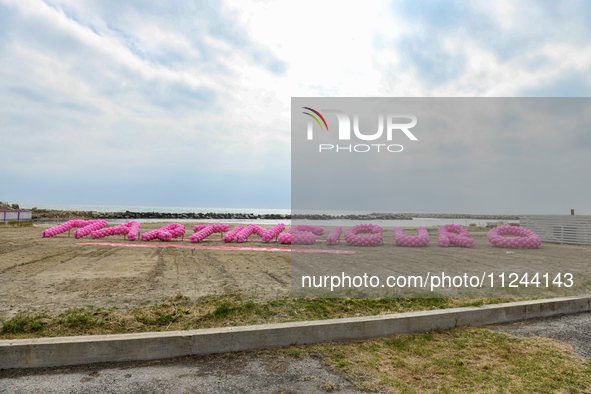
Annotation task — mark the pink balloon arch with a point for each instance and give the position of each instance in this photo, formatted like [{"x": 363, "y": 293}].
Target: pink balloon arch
[
  {"x": 62, "y": 228},
  {"x": 85, "y": 227},
  {"x": 273, "y": 232},
  {"x": 240, "y": 233},
  {"x": 231, "y": 236},
  {"x": 203, "y": 231},
  {"x": 247, "y": 232},
  {"x": 166, "y": 233},
  {"x": 454, "y": 234},
  {"x": 422, "y": 239},
  {"x": 131, "y": 229},
  {"x": 525, "y": 239}
]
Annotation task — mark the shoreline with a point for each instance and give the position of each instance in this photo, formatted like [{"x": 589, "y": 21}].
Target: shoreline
[{"x": 52, "y": 215}]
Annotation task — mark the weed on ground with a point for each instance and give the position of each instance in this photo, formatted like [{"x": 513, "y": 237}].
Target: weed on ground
[
  {"x": 465, "y": 359},
  {"x": 181, "y": 313}
]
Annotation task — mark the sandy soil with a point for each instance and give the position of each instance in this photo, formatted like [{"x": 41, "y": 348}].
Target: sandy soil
[
  {"x": 53, "y": 274},
  {"x": 56, "y": 273},
  {"x": 483, "y": 259}
]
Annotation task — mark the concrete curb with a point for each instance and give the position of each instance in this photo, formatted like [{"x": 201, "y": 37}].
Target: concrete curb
[{"x": 54, "y": 352}]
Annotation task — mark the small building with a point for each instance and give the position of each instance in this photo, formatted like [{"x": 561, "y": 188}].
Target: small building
[{"x": 16, "y": 217}]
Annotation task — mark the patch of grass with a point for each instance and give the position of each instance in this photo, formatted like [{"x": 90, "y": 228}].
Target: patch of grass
[
  {"x": 465, "y": 359},
  {"x": 21, "y": 324},
  {"x": 81, "y": 317},
  {"x": 180, "y": 313},
  {"x": 223, "y": 310}
]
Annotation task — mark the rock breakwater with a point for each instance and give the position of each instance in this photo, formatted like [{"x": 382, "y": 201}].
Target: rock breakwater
[{"x": 57, "y": 215}]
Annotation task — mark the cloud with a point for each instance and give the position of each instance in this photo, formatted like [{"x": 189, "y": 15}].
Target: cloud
[
  {"x": 203, "y": 89},
  {"x": 567, "y": 84},
  {"x": 93, "y": 91}
]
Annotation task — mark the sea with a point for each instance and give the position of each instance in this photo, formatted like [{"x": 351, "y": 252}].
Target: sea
[{"x": 415, "y": 222}]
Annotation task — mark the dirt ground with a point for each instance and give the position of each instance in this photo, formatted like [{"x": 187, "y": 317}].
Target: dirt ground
[
  {"x": 483, "y": 260},
  {"x": 54, "y": 274}
]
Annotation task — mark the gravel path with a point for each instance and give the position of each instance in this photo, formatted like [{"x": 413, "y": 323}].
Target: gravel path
[
  {"x": 572, "y": 329},
  {"x": 248, "y": 372}
]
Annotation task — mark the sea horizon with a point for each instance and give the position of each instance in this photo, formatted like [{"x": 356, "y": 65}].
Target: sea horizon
[
  {"x": 255, "y": 211},
  {"x": 155, "y": 208},
  {"x": 428, "y": 222}
]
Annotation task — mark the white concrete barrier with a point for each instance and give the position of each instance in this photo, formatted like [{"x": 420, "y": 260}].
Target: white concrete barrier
[{"x": 53, "y": 352}]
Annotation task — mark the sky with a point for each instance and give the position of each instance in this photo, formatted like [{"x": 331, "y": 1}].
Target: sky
[{"x": 188, "y": 103}]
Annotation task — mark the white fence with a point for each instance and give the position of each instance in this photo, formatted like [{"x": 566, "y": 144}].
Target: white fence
[
  {"x": 14, "y": 216},
  {"x": 564, "y": 229}
]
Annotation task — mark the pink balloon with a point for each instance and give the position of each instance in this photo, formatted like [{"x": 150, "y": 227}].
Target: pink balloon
[
  {"x": 334, "y": 236},
  {"x": 454, "y": 234},
  {"x": 166, "y": 233},
  {"x": 203, "y": 231},
  {"x": 422, "y": 239},
  {"x": 526, "y": 239},
  {"x": 352, "y": 235}
]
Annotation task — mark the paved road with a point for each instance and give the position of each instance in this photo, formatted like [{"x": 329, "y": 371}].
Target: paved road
[
  {"x": 249, "y": 372},
  {"x": 572, "y": 329}
]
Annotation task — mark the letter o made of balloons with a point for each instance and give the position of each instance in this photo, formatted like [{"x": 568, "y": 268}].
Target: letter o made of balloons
[{"x": 526, "y": 239}]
